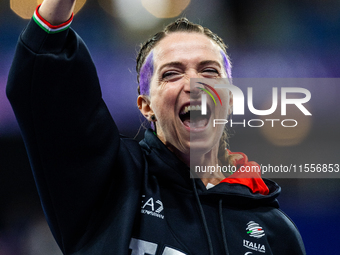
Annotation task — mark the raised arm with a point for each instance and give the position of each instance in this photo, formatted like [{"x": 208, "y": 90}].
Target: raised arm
[
  {"x": 57, "y": 11},
  {"x": 72, "y": 142}
]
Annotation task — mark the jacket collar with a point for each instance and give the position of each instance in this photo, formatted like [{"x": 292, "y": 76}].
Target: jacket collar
[
  {"x": 176, "y": 174},
  {"x": 173, "y": 170}
]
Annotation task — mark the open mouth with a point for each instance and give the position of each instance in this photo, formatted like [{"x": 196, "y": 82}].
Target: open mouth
[{"x": 191, "y": 116}]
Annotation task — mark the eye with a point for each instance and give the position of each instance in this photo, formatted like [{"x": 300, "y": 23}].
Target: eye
[
  {"x": 210, "y": 72},
  {"x": 169, "y": 75}
]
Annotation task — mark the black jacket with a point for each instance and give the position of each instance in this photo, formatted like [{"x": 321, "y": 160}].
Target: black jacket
[{"x": 107, "y": 194}]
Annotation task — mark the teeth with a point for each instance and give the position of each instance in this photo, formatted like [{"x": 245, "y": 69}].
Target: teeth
[{"x": 191, "y": 108}]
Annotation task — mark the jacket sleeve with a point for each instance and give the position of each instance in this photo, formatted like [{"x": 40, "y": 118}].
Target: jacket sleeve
[{"x": 71, "y": 139}]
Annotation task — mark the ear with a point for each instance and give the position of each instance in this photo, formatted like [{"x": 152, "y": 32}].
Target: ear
[{"x": 143, "y": 103}]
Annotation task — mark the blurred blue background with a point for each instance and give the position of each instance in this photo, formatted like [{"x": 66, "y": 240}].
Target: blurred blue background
[{"x": 274, "y": 39}]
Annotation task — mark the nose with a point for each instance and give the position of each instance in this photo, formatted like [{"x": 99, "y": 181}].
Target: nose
[{"x": 191, "y": 84}]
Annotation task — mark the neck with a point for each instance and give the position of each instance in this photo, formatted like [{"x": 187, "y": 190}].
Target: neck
[
  {"x": 201, "y": 164},
  {"x": 204, "y": 166}
]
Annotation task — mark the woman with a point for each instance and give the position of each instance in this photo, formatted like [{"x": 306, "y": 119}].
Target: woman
[{"x": 107, "y": 194}]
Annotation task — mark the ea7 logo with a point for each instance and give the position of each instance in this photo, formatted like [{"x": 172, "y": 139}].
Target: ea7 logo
[
  {"x": 153, "y": 208},
  {"x": 151, "y": 205}
]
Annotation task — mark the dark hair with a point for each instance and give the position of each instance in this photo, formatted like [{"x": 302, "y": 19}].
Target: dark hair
[{"x": 184, "y": 25}]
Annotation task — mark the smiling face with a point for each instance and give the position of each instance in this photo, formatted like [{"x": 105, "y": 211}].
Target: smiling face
[{"x": 177, "y": 58}]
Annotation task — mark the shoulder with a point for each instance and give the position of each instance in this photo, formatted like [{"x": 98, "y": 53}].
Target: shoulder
[{"x": 285, "y": 234}]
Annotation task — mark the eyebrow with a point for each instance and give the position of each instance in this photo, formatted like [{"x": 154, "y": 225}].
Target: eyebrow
[
  {"x": 209, "y": 62},
  {"x": 174, "y": 64},
  {"x": 180, "y": 64}
]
